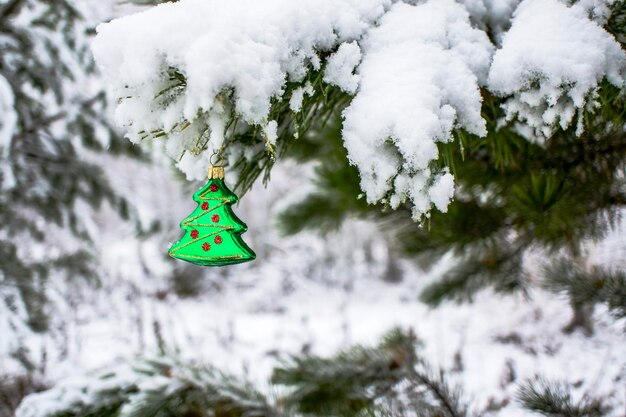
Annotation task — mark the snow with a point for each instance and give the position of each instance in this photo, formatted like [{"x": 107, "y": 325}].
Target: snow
[
  {"x": 442, "y": 191},
  {"x": 491, "y": 15},
  {"x": 13, "y": 330},
  {"x": 77, "y": 392},
  {"x": 297, "y": 96},
  {"x": 218, "y": 126},
  {"x": 219, "y": 46},
  {"x": 340, "y": 68},
  {"x": 439, "y": 63},
  {"x": 21, "y": 161},
  {"x": 550, "y": 64},
  {"x": 415, "y": 69},
  {"x": 8, "y": 124},
  {"x": 402, "y": 110},
  {"x": 271, "y": 132},
  {"x": 319, "y": 293}
]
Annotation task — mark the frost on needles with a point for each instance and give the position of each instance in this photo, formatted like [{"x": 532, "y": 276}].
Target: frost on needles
[{"x": 202, "y": 71}]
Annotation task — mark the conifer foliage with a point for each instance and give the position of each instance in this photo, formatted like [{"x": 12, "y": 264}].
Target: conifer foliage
[
  {"x": 489, "y": 130},
  {"x": 388, "y": 379},
  {"x": 554, "y": 399},
  {"x": 499, "y": 128},
  {"x": 162, "y": 386},
  {"x": 513, "y": 195},
  {"x": 52, "y": 117}
]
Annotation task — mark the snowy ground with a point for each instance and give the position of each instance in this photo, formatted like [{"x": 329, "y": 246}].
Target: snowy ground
[{"x": 321, "y": 294}]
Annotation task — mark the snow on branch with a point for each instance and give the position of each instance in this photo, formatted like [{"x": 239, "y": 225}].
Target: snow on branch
[
  {"x": 551, "y": 62},
  {"x": 420, "y": 79},
  {"x": 246, "y": 48},
  {"x": 148, "y": 387},
  {"x": 415, "y": 69}
]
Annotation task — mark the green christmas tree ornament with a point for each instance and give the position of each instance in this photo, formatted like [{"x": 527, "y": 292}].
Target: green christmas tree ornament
[{"x": 213, "y": 231}]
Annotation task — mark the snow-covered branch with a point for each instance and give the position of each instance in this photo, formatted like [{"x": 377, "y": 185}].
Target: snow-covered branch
[{"x": 415, "y": 70}]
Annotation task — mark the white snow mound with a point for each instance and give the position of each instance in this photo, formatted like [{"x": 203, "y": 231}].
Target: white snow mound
[{"x": 551, "y": 62}]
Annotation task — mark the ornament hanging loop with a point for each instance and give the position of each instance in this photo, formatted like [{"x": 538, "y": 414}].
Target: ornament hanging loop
[{"x": 218, "y": 159}]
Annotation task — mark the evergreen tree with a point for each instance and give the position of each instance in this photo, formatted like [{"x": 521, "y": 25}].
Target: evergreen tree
[
  {"x": 163, "y": 386},
  {"x": 531, "y": 178},
  {"x": 555, "y": 399},
  {"x": 53, "y": 117},
  {"x": 537, "y": 158},
  {"x": 555, "y": 197},
  {"x": 390, "y": 379},
  {"x": 512, "y": 196}
]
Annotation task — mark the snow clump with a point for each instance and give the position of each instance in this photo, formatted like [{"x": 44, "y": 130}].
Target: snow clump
[
  {"x": 341, "y": 64},
  {"x": 245, "y": 48},
  {"x": 401, "y": 111},
  {"x": 551, "y": 62}
]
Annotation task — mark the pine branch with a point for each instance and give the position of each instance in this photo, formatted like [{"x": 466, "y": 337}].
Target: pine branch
[
  {"x": 448, "y": 398},
  {"x": 617, "y": 21},
  {"x": 44, "y": 122},
  {"x": 44, "y": 54},
  {"x": 555, "y": 400},
  {"x": 597, "y": 285},
  {"x": 195, "y": 391},
  {"x": 350, "y": 382},
  {"x": 387, "y": 380},
  {"x": 363, "y": 381},
  {"x": 498, "y": 266},
  {"x": 151, "y": 388}
]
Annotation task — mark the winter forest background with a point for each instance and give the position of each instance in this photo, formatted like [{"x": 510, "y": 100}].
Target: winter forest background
[{"x": 434, "y": 190}]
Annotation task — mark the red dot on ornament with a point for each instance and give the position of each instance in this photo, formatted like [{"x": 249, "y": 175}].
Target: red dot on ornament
[
  {"x": 206, "y": 246},
  {"x": 215, "y": 218},
  {"x": 214, "y": 187},
  {"x": 194, "y": 234},
  {"x": 217, "y": 240},
  {"x": 205, "y": 206}
]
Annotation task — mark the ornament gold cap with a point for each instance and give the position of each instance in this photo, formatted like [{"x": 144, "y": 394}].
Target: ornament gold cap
[{"x": 216, "y": 172}]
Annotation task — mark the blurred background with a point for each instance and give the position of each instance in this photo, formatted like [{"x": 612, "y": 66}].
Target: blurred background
[{"x": 86, "y": 219}]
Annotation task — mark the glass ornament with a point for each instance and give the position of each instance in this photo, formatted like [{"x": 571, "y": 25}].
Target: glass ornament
[{"x": 213, "y": 231}]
